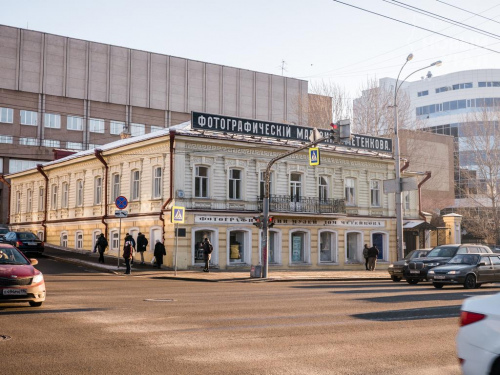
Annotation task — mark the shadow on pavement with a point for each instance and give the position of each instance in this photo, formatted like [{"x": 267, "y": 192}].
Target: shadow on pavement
[
  {"x": 357, "y": 285},
  {"x": 37, "y": 310},
  {"x": 412, "y": 314},
  {"x": 427, "y": 297}
]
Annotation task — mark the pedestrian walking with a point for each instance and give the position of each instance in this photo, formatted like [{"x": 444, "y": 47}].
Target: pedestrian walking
[
  {"x": 365, "y": 255},
  {"x": 372, "y": 257},
  {"x": 142, "y": 243},
  {"x": 159, "y": 253},
  {"x": 101, "y": 245},
  {"x": 127, "y": 255},
  {"x": 128, "y": 237},
  {"x": 207, "y": 254}
]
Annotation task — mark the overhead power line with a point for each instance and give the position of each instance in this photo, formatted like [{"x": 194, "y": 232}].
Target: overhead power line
[
  {"x": 467, "y": 11},
  {"x": 416, "y": 26},
  {"x": 441, "y": 18}
]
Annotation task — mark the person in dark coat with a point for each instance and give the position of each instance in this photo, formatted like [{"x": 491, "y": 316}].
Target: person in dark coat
[
  {"x": 365, "y": 255},
  {"x": 101, "y": 245},
  {"x": 159, "y": 253},
  {"x": 128, "y": 237},
  {"x": 372, "y": 257},
  {"x": 207, "y": 254},
  {"x": 127, "y": 256},
  {"x": 142, "y": 242}
]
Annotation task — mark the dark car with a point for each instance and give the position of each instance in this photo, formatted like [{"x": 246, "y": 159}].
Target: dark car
[
  {"x": 26, "y": 242},
  {"x": 19, "y": 280},
  {"x": 417, "y": 269},
  {"x": 470, "y": 270},
  {"x": 396, "y": 269}
]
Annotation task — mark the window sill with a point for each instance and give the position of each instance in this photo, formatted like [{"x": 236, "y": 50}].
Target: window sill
[
  {"x": 300, "y": 264},
  {"x": 328, "y": 263}
]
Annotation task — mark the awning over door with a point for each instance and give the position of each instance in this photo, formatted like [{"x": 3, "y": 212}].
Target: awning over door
[{"x": 417, "y": 225}]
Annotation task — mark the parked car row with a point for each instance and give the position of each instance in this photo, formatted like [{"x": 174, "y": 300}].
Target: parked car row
[{"x": 470, "y": 265}]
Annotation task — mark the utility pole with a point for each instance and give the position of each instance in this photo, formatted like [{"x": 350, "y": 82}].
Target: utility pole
[{"x": 265, "y": 221}]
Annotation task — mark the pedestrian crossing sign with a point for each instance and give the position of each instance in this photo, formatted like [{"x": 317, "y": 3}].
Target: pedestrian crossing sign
[
  {"x": 178, "y": 215},
  {"x": 314, "y": 156}
]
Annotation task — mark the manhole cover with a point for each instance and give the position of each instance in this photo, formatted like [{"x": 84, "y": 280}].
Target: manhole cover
[
  {"x": 159, "y": 300},
  {"x": 4, "y": 337}
]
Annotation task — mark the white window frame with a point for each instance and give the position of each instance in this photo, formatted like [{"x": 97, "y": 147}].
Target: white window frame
[
  {"x": 247, "y": 246},
  {"x": 64, "y": 195},
  {"x": 155, "y": 128},
  {"x": 53, "y": 195},
  {"x": 137, "y": 129},
  {"x": 51, "y": 143},
  {"x": 52, "y": 120},
  {"x": 97, "y": 190},
  {"x": 235, "y": 183},
  {"x": 203, "y": 181},
  {"x": 74, "y": 123},
  {"x": 157, "y": 182},
  {"x": 358, "y": 250},
  {"x": 6, "y": 139},
  {"x": 18, "y": 202},
  {"x": 63, "y": 239},
  {"x": 29, "y": 200},
  {"x": 41, "y": 199},
  {"x": 334, "y": 247},
  {"x": 79, "y": 240},
  {"x": 74, "y": 145},
  {"x": 116, "y": 127},
  {"x": 114, "y": 239},
  {"x": 375, "y": 196},
  {"x": 407, "y": 200},
  {"x": 350, "y": 191},
  {"x": 295, "y": 186},
  {"x": 306, "y": 244},
  {"x": 96, "y": 125},
  {"x": 79, "y": 193},
  {"x": 135, "y": 185},
  {"x": 29, "y": 118},
  {"x": 6, "y": 115},
  {"x": 28, "y": 141},
  {"x": 115, "y": 185},
  {"x": 323, "y": 188}
]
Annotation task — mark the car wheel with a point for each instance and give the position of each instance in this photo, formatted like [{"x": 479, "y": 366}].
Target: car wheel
[
  {"x": 395, "y": 278},
  {"x": 438, "y": 285},
  {"x": 35, "y": 304},
  {"x": 412, "y": 281},
  {"x": 470, "y": 282}
]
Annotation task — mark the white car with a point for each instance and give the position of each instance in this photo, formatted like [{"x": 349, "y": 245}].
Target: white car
[{"x": 478, "y": 340}]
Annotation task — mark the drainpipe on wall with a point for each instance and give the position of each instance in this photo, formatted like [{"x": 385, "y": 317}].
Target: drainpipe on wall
[
  {"x": 39, "y": 168},
  {"x": 2, "y": 179},
  {"x": 98, "y": 155},
  {"x": 407, "y": 164},
  {"x": 172, "y": 150},
  {"x": 420, "y": 213}
]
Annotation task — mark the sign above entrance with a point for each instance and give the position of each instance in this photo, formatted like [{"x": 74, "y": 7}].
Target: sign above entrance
[{"x": 259, "y": 128}]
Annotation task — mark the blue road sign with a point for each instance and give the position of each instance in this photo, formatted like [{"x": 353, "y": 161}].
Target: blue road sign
[
  {"x": 314, "y": 156},
  {"x": 178, "y": 215},
  {"x": 121, "y": 202}
]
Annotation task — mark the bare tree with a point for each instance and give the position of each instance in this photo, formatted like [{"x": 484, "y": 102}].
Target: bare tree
[{"x": 480, "y": 152}]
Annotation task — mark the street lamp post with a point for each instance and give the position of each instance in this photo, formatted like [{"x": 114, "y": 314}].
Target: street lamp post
[{"x": 399, "y": 203}]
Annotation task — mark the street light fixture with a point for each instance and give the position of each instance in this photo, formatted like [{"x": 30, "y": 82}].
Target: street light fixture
[{"x": 399, "y": 203}]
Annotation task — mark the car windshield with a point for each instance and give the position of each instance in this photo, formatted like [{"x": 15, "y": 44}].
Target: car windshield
[
  {"x": 411, "y": 254},
  {"x": 27, "y": 236},
  {"x": 464, "y": 259},
  {"x": 3, "y": 230},
  {"x": 11, "y": 256},
  {"x": 442, "y": 251}
]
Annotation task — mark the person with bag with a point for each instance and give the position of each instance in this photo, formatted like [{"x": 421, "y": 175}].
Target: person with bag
[
  {"x": 101, "y": 245},
  {"x": 128, "y": 237},
  {"x": 207, "y": 254},
  {"x": 127, "y": 255},
  {"x": 142, "y": 243},
  {"x": 159, "y": 253}
]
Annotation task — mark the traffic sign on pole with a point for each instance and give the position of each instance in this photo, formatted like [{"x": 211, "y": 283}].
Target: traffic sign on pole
[
  {"x": 178, "y": 215},
  {"x": 121, "y": 213},
  {"x": 121, "y": 202},
  {"x": 314, "y": 156}
]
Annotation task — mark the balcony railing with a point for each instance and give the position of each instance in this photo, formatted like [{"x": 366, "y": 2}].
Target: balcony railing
[
  {"x": 277, "y": 203},
  {"x": 287, "y": 203}
]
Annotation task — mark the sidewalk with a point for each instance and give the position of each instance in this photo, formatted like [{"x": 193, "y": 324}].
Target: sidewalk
[{"x": 88, "y": 259}]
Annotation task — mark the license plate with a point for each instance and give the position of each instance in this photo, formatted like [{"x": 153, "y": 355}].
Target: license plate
[
  {"x": 439, "y": 277},
  {"x": 32, "y": 243},
  {"x": 14, "y": 292},
  {"x": 414, "y": 271}
]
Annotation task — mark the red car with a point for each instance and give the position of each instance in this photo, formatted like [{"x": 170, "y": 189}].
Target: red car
[{"x": 19, "y": 280}]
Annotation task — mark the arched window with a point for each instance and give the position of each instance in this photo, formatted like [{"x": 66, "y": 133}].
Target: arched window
[
  {"x": 64, "y": 239},
  {"x": 328, "y": 247},
  {"x": 353, "y": 247},
  {"x": 300, "y": 251},
  {"x": 79, "y": 240},
  {"x": 64, "y": 197}
]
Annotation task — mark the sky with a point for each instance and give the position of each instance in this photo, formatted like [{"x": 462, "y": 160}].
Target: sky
[{"x": 314, "y": 40}]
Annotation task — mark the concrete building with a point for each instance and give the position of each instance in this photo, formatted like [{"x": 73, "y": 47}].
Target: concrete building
[
  {"x": 213, "y": 167},
  {"x": 61, "y": 92}
]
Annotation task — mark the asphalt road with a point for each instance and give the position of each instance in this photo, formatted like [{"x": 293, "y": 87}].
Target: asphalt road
[{"x": 95, "y": 323}]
